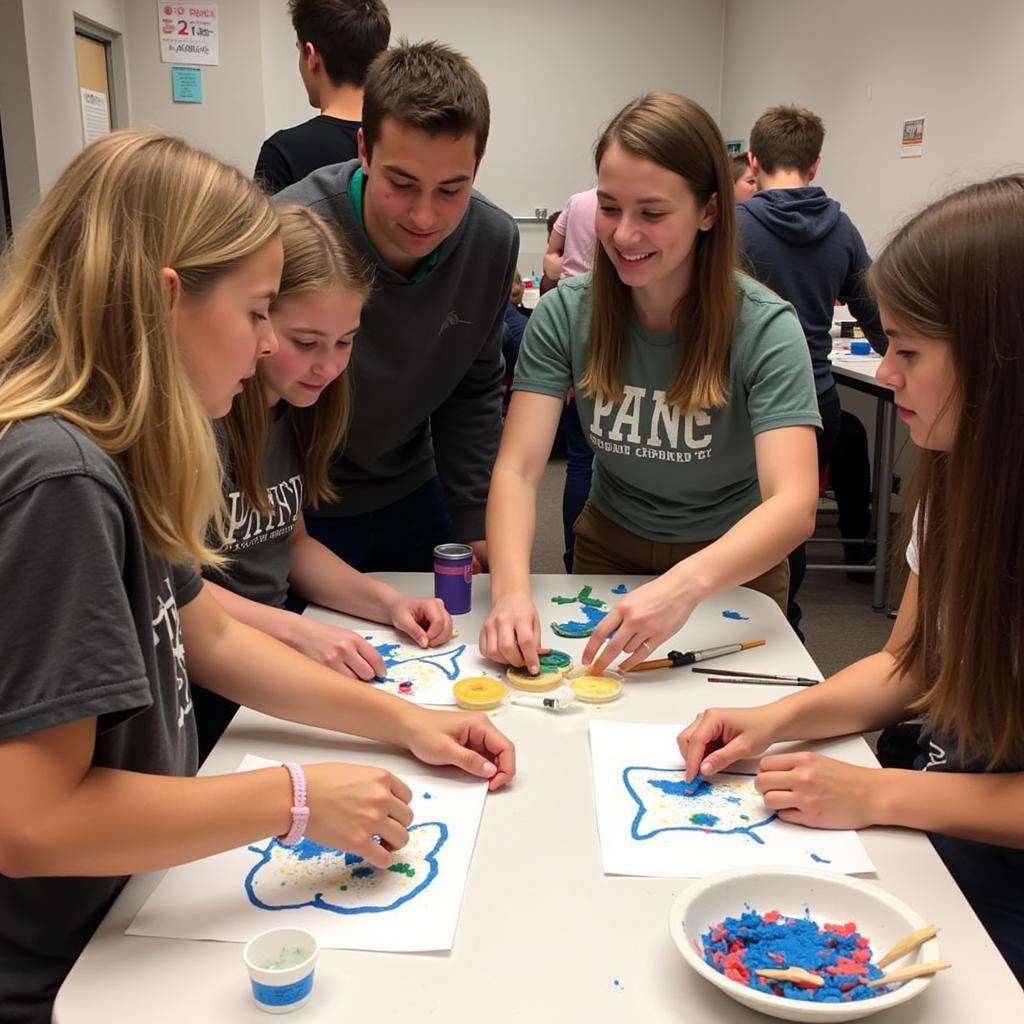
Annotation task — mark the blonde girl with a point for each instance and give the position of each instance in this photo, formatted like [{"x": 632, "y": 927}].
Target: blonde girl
[
  {"x": 693, "y": 387},
  {"x": 948, "y": 289},
  {"x": 123, "y": 330}
]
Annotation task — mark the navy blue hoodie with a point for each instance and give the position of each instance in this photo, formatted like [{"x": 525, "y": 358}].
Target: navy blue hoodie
[{"x": 801, "y": 245}]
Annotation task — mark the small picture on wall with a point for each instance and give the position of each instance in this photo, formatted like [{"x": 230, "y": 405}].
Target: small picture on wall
[
  {"x": 912, "y": 144},
  {"x": 735, "y": 147}
]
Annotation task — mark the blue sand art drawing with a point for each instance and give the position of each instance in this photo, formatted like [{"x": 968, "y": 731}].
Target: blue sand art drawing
[
  {"x": 576, "y": 628},
  {"x": 666, "y": 802},
  {"x": 396, "y": 655},
  {"x": 620, "y": 589},
  {"x": 311, "y": 875},
  {"x": 819, "y": 859},
  {"x": 730, "y": 614}
]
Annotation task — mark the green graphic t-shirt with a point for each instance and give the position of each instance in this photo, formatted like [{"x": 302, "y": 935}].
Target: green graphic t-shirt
[{"x": 661, "y": 474}]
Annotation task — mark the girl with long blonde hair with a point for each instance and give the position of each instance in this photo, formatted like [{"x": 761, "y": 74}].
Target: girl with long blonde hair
[
  {"x": 281, "y": 434},
  {"x": 948, "y": 288},
  {"x": 694, "y": 389},
  {"x": 133, "y": 306}
]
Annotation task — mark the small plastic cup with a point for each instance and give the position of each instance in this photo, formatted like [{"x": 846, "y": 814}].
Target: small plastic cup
[{"x": 280, "y": 964}]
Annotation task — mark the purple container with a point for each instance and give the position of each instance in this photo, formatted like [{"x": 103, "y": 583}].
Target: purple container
[{"x": 453, "y": 576}]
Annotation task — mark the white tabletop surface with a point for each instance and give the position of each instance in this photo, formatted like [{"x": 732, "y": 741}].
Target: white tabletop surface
[{"x": 544, "y": 934}]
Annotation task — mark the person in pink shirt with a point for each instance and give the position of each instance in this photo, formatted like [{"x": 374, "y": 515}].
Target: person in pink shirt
[{"x": 571, "y": 244}]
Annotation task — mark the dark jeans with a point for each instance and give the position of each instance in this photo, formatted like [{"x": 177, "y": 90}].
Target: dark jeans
[
  {"x": 398, "y": 538},
  {"x": 579, "y": 468},
  {"x": 849, "y": 476},
  {"x": 828, "y": 406}
]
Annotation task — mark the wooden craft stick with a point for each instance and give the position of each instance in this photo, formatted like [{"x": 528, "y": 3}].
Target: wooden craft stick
[
  {"x": 908, "y": 944},
  {"x": 908, "y": 973},
  {"x": 797, "y": 975}
]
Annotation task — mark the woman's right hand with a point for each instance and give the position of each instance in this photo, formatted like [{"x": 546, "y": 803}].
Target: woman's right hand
[
  {"x": 351, "y": 805},
  {"x": 718, "y": 737},
  {"x": 340, "y": 649},
  {"x": 511, "y": 634}
]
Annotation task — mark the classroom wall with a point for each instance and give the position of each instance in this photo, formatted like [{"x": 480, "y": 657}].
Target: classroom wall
[
  {"x": 230, "y": 122},
  {"x": 42, "y": 114},
  {"x": 554, "y": 79}
]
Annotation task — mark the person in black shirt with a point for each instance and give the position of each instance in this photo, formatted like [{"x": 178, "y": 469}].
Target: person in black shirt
[{"x": 337, "y": 40}]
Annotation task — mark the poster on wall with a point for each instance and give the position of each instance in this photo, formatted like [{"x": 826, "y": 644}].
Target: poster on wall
[
  {"x": 95, "y": 115},
  {"x": 735, "y": 147},
  {"x": 188, "y": 33},
  {"x": 913, "y": 138}
]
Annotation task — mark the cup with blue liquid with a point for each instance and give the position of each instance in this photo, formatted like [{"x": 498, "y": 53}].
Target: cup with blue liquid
[{"x": 280, "y": 964}]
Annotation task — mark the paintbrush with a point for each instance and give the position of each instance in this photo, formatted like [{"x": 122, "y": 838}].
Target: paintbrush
[{"x": 680, "y": 659}]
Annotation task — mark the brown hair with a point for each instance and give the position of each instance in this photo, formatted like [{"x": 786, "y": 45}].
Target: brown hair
[
  {"x": 787, "y": 138},
  {"x": 86, "y": 330},
  {"x": 427, "y": 86},
  {"x": 953, "y": 273},
  {"x": 740, "y": 166},
  {"x": 317, "y": 257},
  {"x": 680, "y": 135},
  {"x": 348, "y": 34}
]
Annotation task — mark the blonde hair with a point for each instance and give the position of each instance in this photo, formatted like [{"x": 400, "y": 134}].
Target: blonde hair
[
  {"x": 86, "y": 331},
  {"x": 680, "y": 135},
  {"x": 317, "y": 258}
]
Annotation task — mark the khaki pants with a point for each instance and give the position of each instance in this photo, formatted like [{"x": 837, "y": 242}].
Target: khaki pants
[{"x": 604, "y": 547}]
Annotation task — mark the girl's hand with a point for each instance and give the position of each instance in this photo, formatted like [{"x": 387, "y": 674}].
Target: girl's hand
[
  {"x": 340, "y": 649},
  {"x": 467, "y": 740},
  {"x": 350, "y": 805},
  {"x": 425, "y": 619},
  {"x": 641, "y": 621},
  {"x": 821, "y": 792},
  {"x": 511, "y": 634},
  {"x": 720, "y": 736}
]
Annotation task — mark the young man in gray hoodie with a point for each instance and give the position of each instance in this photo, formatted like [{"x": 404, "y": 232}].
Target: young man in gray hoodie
[
  {"x": 798, "y": 242},
  {"x": 427, "y": 366}
]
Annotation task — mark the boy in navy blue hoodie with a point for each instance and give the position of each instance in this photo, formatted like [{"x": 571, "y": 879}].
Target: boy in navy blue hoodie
[{"x": 801, "y": 245}]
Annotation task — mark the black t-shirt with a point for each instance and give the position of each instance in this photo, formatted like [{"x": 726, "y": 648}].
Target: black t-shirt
[
  {"x": 89, "y": 629},
  {"x": 289, "y": 155}
]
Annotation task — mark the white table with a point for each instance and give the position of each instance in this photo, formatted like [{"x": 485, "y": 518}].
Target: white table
[
  {"x": 858, "y": 373},
  {"x": 543, "y": 935}
]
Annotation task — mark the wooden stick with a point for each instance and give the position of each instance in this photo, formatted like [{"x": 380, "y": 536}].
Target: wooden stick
[
  {"x": 645, "y": 666},
  {"x": 797, "y": 975},
  {"x": 908, "y": 944},
  {"x": 908, "y": 973}
]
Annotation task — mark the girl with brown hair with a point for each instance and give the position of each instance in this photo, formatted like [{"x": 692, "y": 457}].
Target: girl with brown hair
[
  {"x": 693, "y": 387},
  {"x": 122, "y": 332},
  {"x": 948, "y": 288}
]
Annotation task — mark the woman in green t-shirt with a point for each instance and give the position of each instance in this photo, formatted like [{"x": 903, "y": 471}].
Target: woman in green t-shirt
[{"x": 694, "y": 387}]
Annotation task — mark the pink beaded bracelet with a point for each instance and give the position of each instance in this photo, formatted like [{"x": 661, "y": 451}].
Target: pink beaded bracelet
[{"x": 300, "y": 812}]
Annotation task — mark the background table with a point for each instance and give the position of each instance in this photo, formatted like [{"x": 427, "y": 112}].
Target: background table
[
  {"x": 543, "y": 933},
  {"x": 858, "y": 373}
]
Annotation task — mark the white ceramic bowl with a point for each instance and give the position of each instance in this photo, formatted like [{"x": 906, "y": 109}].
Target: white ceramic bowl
[{"x": 836, "y": 898}]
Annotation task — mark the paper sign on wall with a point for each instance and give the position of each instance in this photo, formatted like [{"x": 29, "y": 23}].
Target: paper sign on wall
[
  {"x": 187, "y": 85},
  {"x": 95, "y": 115},
  {"x": 188, "y": 33},
  {"x": 913, "y": 138}
]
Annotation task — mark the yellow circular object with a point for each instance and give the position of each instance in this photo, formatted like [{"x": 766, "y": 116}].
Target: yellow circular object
[
  {"x": 479, "y": 693},
  {"x": 542, "y": 681},
  {"x": 596, "y": 689}
]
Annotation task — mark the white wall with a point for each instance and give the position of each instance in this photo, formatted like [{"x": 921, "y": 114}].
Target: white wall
[
  {"x": 553, "y": 80},
  {"x": 16, "y": 112},
  {"x": 230, "y": 122}
]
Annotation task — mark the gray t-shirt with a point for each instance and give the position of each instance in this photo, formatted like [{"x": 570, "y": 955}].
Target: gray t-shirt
[
  {"x": 663, "y": 475},
  {"x": 259, "y": 545},
  {"x": 89, "y": 629}
]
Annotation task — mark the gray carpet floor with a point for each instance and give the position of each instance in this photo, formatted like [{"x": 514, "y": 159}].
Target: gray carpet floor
[{"x": 838, "y": 624}]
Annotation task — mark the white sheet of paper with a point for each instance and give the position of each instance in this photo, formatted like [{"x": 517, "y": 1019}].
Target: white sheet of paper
[
  {"x": 649, "y": 827},
  {"x": 233, "y": 895}
]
